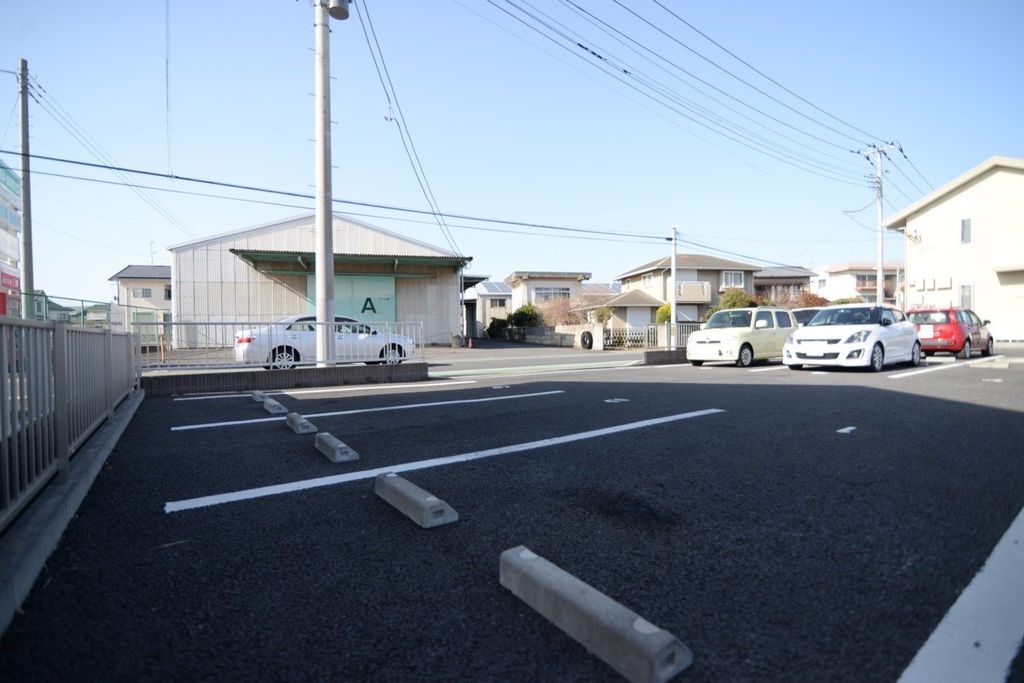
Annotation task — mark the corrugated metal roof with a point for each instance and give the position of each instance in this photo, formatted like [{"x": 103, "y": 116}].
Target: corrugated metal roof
[{"x": 142, "y": 273}]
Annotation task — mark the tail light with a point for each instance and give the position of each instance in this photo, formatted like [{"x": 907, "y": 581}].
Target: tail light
[{"x": 243, "y": 339}]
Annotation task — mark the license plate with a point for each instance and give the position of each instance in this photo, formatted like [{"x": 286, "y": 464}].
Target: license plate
[{"x": 815, "y": 354}]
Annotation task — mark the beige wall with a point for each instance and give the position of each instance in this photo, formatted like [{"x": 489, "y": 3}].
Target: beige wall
[
  {"x": 524, "y": 291},
  {"x": 992, "y": 265}
]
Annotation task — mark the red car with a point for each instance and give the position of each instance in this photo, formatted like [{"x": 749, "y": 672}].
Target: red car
[{"x": 951, "y": 330}]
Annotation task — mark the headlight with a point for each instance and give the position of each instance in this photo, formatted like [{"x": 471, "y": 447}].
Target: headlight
[{"x": 861, "y": 336}]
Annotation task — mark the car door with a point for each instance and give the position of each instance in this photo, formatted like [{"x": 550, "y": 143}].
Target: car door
[
  {"x": 983, "y": 332},
  {"x": 785, "y": 323},
  {"x": 890, "y": 333},
  {"x": 355, "y": 341},
  {"x": 762, "y": 337},
  {"x": 972, "y": 329},
  {"x": 301, "y": 335}
]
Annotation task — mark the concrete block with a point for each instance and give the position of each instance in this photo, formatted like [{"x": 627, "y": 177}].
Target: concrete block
[
  {"x": 335, "y": 450},
  {"x": 636, "y": 648},
  {"x": 299, "y": 424},
  {"x": 418, "y": 505},
  {"x": 273, "y": 407},
  {"x": 259, "y": 396}
]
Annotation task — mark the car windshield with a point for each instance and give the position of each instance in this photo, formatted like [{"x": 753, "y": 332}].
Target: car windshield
[
  {"x": 845, "y": 316},
  {"x": 733, "y": 318},
  {"x": 931, "y": 317},
  {"x": 803, "y": 316}
]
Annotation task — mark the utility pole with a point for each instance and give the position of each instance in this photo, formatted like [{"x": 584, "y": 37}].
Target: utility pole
[
  {"x": 879, "y": 268},
  {"x": 673, "y": 292},
  {"x": 324, "y": 220},
  {"x": 28, "y": 285}
]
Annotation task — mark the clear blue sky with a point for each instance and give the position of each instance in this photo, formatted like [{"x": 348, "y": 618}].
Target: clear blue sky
[{"x": 507, "y": 124}]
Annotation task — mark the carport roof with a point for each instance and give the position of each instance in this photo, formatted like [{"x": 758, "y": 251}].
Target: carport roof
[{"x": 308, "y": 259}]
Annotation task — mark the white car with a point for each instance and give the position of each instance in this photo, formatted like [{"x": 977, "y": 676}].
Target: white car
[
  {"x": 291, "y": 341},
  {"x": 740, "y": 335},
  {"x": 854, "y": 335}
]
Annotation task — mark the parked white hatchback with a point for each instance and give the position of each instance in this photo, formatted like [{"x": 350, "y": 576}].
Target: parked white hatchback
[
  {"x": 740, "y": 335},
  {"x": 854, "y": 335},
  {"x": 291, "y": 341}
]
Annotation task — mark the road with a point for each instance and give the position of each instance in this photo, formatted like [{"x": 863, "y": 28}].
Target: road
[{"x": 784, "y": 525}]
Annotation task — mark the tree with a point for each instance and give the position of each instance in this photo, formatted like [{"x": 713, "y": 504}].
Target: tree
[
  {"x": 559, "y": 312},
  {"x": 602, "y": 314},
  {"x": 664, "y": 313},
  {"x": 809, "y": 300},
  {"x": 734, "y": 297},
  {"x": 525, "y": 316}
]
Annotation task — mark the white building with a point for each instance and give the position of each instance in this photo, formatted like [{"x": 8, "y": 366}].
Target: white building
[
  {"x": 965, "y": 245},
  {"x": 856, "y": 280},
  {"x": 537, "y": 287},
  {"x": 484, "y": 302},
  {"x": 266, "y": 272}
]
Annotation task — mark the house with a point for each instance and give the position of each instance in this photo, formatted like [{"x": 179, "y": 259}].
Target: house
[
  {"x": 538, "y": 287},
  {"x": 700, "y": 280},
  {"x": 484, "y": 302},
  {"x": 266, "y": 272},
  {"x": 45, "y": 308},
  {"x": 965, "y": 245},
  {"x": 856, "y": 280},
  {"x": 143, "y": 298},
  {"x": 783, "y": 284}
]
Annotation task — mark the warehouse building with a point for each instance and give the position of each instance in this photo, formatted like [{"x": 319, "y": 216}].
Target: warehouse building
[{"x": 266, "y": 272}]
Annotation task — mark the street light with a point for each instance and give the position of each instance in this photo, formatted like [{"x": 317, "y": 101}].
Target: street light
[{"x": 338, "y": 9}]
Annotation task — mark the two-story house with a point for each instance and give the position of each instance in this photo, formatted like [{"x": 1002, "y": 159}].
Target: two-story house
[
  {"x": 965, "y": 245},
  {"x": 536, "y": 287},
  {"x": 700, "y": 281},
  {"x": 856, "y": 280},
  {"x": 143, "y": 296}
]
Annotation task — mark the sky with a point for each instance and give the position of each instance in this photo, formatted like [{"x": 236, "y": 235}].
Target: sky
[{"x": 739, "y": 122}]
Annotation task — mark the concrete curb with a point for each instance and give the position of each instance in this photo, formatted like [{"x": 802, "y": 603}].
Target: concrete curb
[
  {"x": 299, "y": 424},
  {"x": 628, "y": 643},
  {"x": 418, "y": 505},
  {"x": 334, "y": 449},
  {"x": 273, "y": 407},
  {"x": 26, "y": 544}
]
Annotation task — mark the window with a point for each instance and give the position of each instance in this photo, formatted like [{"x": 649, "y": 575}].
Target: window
[
  {"x": 887, "y": 316},
  {"x": 167, "y": 293},
  {"x": 732, "y": 278},
  {"x": 549, "y": 293},
  {"x": 647, "y": 279},
  {"x": 866, "y": 281},
  {"x": 142, "y": 292},
  {"x": 766, "y": 316},
  {"x": 499, "y": 303},
  {"x": 965, "y": 231},
  {"x": 783, "y": 319},
  {"x": 965, "y": 296}
]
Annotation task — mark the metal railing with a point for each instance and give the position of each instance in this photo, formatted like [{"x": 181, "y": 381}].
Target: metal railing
[
  {"x": 226, "y": 345},
  {"x": 58, "y": 384}
]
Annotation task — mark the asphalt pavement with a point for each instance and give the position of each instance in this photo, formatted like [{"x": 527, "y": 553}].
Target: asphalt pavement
[{"x": 784, "y": 525}]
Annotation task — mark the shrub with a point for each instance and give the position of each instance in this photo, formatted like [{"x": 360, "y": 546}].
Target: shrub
[
  {"x": 664, "y": 313},
  {"x": 809, "y": 300},
  {"x": 559, "y": 312},
  {"x": 526, "y": 316},
  {"x": 602, "y": 314},
  {"x": 849, "y": 300},
  {"x": 496, "y": 328},
  {"x": 733, "y": 298}
]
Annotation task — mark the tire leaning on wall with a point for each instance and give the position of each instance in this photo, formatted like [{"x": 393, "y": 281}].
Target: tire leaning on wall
[{"x": 587, "y": 340}]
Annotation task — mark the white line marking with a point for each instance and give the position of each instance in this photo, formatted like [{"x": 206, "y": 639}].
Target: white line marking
[
  {"x": 410, "y": 406},
  {"x": 944, "y": 367},
  {"x": 248, "y": 494},
  {"x": 997, "y": 380},
  {"x": 616, "y": 400},
  {"x": 981, "y": 633},
  {"x": 361, "y": 387},
  {"x": 774, "y": 367},
  {"x": 845, "y": 430}
]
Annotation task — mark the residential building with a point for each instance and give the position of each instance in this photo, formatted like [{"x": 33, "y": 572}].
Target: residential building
[
  {"x": 700, "y": 281},
  {"x": 144, "y": 300},
  {"x": 266, "y": 272},
  {"x": 484, "y": 302},
  {"x": 856, "y": 280},
  {"x": 783, "y": 284},
  {"x": 965, "y": 245},
  {"x": 537, "y": 287}
]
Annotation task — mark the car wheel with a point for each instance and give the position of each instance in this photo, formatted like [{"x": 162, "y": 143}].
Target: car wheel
[
  {"x": 990, "y": 348},
  {"x": 746, "y": 357},
  {"x": 392, "y": 355},
  {"x": 965, "y": 352},
  {"x": 696, "y": 363},
  {"x": 283, "y": 358},
  {"x": 796, "y": 367},
  {"x": 877, "y": 358},
  {"x": 915, "y": 355}
]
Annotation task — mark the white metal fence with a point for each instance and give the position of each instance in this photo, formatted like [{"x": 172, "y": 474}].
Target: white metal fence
[
  {"x": 280, "y": 345},
  {"x": 58, "y": 384}
]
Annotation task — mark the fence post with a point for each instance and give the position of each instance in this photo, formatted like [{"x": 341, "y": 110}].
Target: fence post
[
  {"x": 60, "y": 400},
  {"x": 108, "y": 372}
]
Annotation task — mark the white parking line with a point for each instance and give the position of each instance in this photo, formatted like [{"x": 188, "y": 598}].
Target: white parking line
[
  {"x": 774, "y": 367},
  {"x": 981, "y": 633},
  {"x": 846, "y": 430},
  {"x": 263, "y": 491},
  {"x": 944, "y": 367},
  {"x": 334, "y": 390},
  {"x": 232, "y": 423}
]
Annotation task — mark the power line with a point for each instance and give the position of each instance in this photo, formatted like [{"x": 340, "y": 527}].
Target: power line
[{"x": 763, "y": 74}]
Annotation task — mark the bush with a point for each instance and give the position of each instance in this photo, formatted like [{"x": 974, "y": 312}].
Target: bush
[
  {"x": 664, "y": 313},
  {"x": 559, "y": 312},
  {"x": 849, "y": 300},
  {"x": 496, "y": 329},
  {"x": 602, "y": 314},
  {"x": 733, "y": 298},
  {"x": 526, "y": 316},
  {"x": 809, "y": 300}
]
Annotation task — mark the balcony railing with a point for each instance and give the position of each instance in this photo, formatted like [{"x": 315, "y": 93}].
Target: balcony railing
[{"x": 693, "y": 292}]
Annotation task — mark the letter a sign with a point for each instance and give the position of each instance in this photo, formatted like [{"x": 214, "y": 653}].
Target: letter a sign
[{"x": 368, "y": 306}]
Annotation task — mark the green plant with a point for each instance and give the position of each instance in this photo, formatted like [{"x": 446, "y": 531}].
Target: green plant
[
  {"x": 526, "y": 316},
  {"x": 809, "y": 300},
  {"x": 664, "y": 313},
  {"x": 602, "y": 314},
  {"x": 495, "y": 330},
  {"x": 733, "y": 297},
  {"x": 849, "y": 300}
]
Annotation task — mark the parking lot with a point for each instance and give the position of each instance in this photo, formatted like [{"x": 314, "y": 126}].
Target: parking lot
[{"x": 784, "y": 525}]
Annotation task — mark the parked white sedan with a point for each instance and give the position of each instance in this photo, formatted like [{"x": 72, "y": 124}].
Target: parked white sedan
[
  {"x": 854, "y": 335},
  {"x": 291, "y": 341}
]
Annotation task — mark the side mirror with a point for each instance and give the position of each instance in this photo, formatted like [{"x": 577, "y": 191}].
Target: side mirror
[
  {"x": 885, "y": 322},
  {"x": 986, "y": 322},
  {"x": 760, "y": 324}
]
